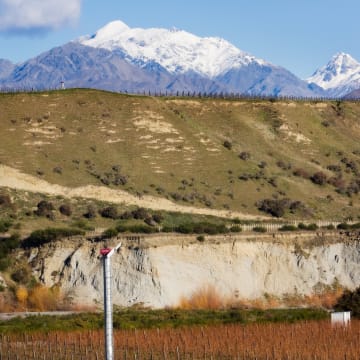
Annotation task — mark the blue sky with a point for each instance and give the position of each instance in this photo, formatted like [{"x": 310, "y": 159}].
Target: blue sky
[{"x": 300, "y": 35}]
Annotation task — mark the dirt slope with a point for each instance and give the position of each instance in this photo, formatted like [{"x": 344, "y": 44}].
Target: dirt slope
[{"x": 14, "y": 179}]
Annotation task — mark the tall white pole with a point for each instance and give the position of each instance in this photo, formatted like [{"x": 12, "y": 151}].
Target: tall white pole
[
  {"x": 109, "y": 348},
  {"x": 108, "y": 316}
]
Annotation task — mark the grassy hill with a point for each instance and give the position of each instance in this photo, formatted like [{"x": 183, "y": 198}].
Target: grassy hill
[{"x": 297, "y": 159}]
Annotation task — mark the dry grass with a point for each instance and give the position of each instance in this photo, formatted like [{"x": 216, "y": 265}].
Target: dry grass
[
  {"x": 79, "y": 131},
  {"x": 208, "y": 297},
  {"x": 38, "y": 298},
  {"x": 205, "y": 298}
]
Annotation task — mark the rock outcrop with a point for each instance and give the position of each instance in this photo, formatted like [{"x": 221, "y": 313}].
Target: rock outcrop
[{"x": 157, "y": 271}]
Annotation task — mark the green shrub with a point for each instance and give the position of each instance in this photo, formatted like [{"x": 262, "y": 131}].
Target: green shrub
[
  {"x": 273, "y": 206},
  {"x": 350, "y": 301},
  {"x": 167, "y": 229},
  {"x": 40, "y": 237},
  {"x": 158, "y": 218},
  {"x": 310, "y": 227},
  {"x": 109, "y": 212},
  {"x": 126, "y": 215},
  {"x": 45, "y": 208},
  {"x": 287, "y": 228},
  {"x": 4, "y": 226},
  {"x": 65, "y": 209},
  {"x": 343, "y": 226},
  {"x": 259, "y": 229},
  {"x": 185, "y": 228},
  {"x": 7, "y": 244},
  {"x": 140, "y": 214},
  {"x": 121, "y": 228},
  {"x": 201, "y": 228},
  {"x": 109, "y": 233},
  {"x": 244, "y": 155},
  {"x": 235, "y": 229},
  {"x": 200, "y": 238},
  {"x": 227, "y": 144},
  {"x": 319, "y": 178},
  {"x": 22, "y": 275},
  {"x": 5, "y": 200},
  {"x": 91, "y": 212},
  {"x": 5, "y": 263}
]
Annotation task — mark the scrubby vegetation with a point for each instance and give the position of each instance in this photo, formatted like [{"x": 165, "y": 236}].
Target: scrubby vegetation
[
  {"x": 145, "y": 319},
  {"x": 41, "y": 237},
  {"x": 199, "y": 228},
  {"x": 259, "y": 229},
  {"x": 345, "y": 226},
  {"x": 7, "y": 244},
  {"x": 4, "y": 225},
  {"x": 226, "y": 154},
  {"x": 350, "y": 301},
  {"x": 310, "y": 227},
  {"x": 279, "y": 207}
]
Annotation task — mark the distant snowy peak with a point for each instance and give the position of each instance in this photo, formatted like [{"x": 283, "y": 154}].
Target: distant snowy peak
[
  {"x": 340, "y": 71},
  {"x": 176, "y": 50},
  {"x": 109, "y": 32}
]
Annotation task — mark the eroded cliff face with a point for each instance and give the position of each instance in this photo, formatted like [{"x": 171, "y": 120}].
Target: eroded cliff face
[{"x": 158, "y": 271}]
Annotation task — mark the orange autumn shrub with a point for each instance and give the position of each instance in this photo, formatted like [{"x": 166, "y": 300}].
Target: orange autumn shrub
[
  {"x": 42, "y": 298},
  {"x": 206, "y": 297}
]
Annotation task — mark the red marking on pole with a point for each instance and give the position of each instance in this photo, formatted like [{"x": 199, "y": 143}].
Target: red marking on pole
[{"x": 104, "y": 251}]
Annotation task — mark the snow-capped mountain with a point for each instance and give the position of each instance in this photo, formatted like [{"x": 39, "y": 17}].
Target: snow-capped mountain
[
  {"x": 120, "y": 58},
  {"x": 175, "y": 50},
  {"x": 339, "y": 76},
  {"x": 82, "y": 66}
]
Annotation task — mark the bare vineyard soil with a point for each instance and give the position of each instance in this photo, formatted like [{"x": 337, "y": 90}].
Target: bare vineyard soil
[{"x": 302, "y": 341}]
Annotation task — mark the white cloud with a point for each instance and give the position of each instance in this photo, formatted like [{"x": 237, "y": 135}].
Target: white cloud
[{"x": 37, "y": 15}]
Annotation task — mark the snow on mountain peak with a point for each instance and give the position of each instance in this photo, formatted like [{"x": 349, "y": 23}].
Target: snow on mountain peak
[
  {"x": 343, "y": 63},
  {"x": 339, "y": 71},
  {"x": 176, "y": 50},
  {"x": 112, "y": 29}
]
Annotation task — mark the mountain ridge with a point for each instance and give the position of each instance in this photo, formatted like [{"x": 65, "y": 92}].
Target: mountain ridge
[{"x": 120, "y": 58}]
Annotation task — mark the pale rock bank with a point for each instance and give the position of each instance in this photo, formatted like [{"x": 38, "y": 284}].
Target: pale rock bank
[{"x": 159, "y": 270}]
